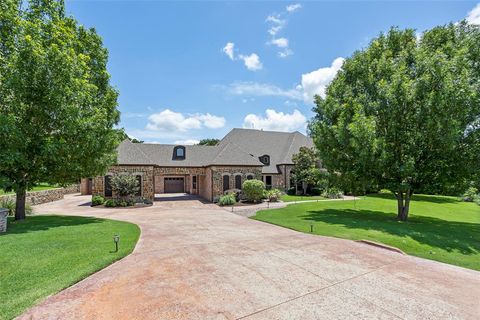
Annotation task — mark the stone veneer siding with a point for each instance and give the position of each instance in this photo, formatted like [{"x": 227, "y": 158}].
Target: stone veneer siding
[
  {"x": 146, "y": 172},
  {"x": 186, "y": 172},
  {"x": 44, "y": 196},
  {"x": 281, "y": 181},
  {"x": 219, "y": 171}
]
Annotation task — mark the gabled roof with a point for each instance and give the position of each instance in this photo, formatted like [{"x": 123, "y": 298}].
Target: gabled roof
[
  {"x": 195, "y": 156},
  {"x": 240, "y": 147},
  {"x": 280, "y": 146}
]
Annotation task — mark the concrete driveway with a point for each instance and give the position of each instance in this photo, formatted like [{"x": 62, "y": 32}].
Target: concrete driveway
[{"x": 197, "y": 261}]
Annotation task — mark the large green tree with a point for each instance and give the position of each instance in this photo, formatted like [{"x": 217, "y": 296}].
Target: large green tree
[
  {"x": 209, "y": 142},
  {"x": 57, "y": 107},
  {"x": 306, "y": 169},
  {"x": 404, "y": 112}
]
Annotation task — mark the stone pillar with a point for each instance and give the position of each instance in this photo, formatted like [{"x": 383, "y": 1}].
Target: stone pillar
[{"x": 3, "y": 220}]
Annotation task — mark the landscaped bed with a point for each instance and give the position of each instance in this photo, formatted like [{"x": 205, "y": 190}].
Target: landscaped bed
[
  {"x": 45, "y": 254},
  {"x": 438, "y": 228}
]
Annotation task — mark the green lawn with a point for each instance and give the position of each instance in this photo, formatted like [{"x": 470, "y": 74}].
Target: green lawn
[
  {"x": 45, "y": 254},
  {"x": 439, "y": 228},
  {"x": 289, "y": 198},
  {"x": 40, "y": 187}
]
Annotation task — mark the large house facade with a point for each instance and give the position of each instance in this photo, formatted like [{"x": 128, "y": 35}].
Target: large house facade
[{"x": 207, "y": 171}]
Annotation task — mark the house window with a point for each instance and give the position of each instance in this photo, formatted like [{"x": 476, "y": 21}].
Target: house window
[
  {"x": 249, "y": 177},
  {"x": 238, "y": 182},
  {"x": 226, "y": 182},
  {"x": 179, "y": 153},
  {"x": 265, "y": 159},
  {"x": 194, "y": 182},
  {"x": 268, "y": 182},
  {"x": 108, "y": 186},
  {"x": 139, "y": 180}
]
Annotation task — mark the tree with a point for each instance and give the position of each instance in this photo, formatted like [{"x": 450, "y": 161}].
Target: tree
[
  {"x": 306, "y": 168},
  {"x": 57, "y": 107},
  {"x": 124, "y": 136},
  {"x": 404, "y": 112},
  {"x": 209, "y": 142}
]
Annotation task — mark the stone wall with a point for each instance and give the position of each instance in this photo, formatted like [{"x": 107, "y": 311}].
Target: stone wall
[
  {"x": 219, "y": 171},
  {"x": 44, "y": 196},
  {"x": 147, "y": 173},
  {"x": 3, "y": 220}
]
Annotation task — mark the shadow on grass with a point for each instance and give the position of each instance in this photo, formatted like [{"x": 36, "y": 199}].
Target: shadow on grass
[
  {"x": 446, "y": 235},
  {"x": 417, "y": 197},
  {"x": 42, "y": 223}
]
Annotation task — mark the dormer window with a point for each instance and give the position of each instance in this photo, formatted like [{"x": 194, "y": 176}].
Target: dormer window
[
  {"x": 265, "y": 159},
  {"x": 179, "y": 153}
]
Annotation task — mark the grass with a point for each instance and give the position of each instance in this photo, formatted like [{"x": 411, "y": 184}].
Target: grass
[
  {"x": 439, "y": 228},
  {"x": 289, "y": 198},
  {"x": 39, "y": 187},
  {"x": 45, "y": 254}
]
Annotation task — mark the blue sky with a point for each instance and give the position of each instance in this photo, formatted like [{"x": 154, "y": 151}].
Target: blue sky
[{"x": 192, "y": 70}]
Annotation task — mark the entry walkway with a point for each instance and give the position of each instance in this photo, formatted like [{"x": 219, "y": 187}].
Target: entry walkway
[{"x": 197, "y": 261}]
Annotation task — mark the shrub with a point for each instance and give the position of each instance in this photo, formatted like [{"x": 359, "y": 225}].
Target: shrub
[
  {"x": 10, "y": 205},
  {"x": 110, "y": 203},
  {"x": 273, "y": 195},
  {"x": 332, "y": 193},
  {"x": 477, "y": 199},
  {"x": 470, "y": 194},
  {"x": 227, "y": 200},
  {"x": 97, "y": 200},
  {"x": 291, "y": 191},
  {"x": 125, "y": 186},
  {"x": 253, "y": 190},
  {"x": 316, "y": 191},
  {"x": 384, "y": 191}
]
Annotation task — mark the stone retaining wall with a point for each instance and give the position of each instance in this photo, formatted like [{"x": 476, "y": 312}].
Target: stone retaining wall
[
  {"x": 3, "y": 220},
  {"x": 44, "y": 196}
]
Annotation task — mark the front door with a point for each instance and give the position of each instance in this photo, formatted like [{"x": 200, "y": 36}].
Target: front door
[{"x": 174, "y": 185}]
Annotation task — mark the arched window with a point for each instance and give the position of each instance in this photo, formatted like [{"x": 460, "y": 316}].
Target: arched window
[
  {"x": 179, "y": 153},
  {"x": 249, "y": 176},
  {"x": 238, "y": 181},
  {"x": 226, "y": 182},
  {"x": 107, "y": 189},
  {"x": 265, "y": 159},
  {"x": 139, "y": 180}
]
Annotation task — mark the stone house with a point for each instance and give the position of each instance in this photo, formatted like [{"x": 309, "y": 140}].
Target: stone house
[{"x": 207, "y": 171}]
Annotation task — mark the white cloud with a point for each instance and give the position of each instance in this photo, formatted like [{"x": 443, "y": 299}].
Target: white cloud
[
  {"x": 312, "y": 83},
  {"x": 171, "y": 121},
  {"x": 285, "y": 53},
  {"x": 473, "y": 16},
  {"x": 276, "y": 121},
  {"x": 187, "y": 142},
  {"x": 228, "y": 50},
  {"x": 262, "y": 89},
  {"x": 280, "y": 42},
  {"x": 316, "y": 81},
  {"x": 293, "y": 7},
  {"x": 212, "y": 122},
  {"x": 252, "y": 61}
]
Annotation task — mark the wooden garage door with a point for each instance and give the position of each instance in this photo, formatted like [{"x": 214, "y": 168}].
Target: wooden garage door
[{"x": 174, "y": 185}]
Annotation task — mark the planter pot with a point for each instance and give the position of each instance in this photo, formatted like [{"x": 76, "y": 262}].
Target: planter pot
[{"x": 3, "y": 220}]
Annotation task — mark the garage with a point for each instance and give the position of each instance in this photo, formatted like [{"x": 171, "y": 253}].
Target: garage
[{"x": 174, "y": 185}]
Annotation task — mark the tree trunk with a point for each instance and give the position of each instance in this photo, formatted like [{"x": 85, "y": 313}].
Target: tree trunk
[
  {"x": 20, "y": 203},
  {"x": 403, "y": 204}
]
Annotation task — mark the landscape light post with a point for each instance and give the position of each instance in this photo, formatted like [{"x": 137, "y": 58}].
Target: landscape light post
[{"x": 116, "y": 239}]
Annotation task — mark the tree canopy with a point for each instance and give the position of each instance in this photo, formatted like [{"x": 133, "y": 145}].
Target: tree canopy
[
  {"x": 307, "y": 168},
  {"x": 57, "y": 107},
  {"x": 209, "y": 142},
  {"x": 404, "y": 112}
]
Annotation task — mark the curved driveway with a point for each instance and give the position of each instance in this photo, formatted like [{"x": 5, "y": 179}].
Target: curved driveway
[{"x": 197, "y": 261}]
